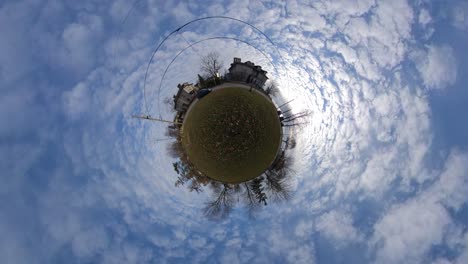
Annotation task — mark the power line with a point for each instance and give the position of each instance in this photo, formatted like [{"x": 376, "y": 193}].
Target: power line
[
  {"x": 189, "y": 43},
  {"x": 122, "y": 22},
  {"x": 186, "y": 24},
  {"x": 195, "y": 43}
]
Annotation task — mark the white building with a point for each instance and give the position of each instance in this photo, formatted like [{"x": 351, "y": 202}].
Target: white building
[
  {"x": 184, "y": 96},
  {"x": 247, "y": 72}
]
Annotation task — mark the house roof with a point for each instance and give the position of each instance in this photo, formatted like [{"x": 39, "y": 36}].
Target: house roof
[
  {"x": 189, "y": 88},
  {"x": 250, "y": 64}
]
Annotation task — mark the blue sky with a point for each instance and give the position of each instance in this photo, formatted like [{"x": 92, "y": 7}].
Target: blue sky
[{"x": 381, "y": 165}]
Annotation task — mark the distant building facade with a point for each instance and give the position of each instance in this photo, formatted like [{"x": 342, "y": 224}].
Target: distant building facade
[
  {"x": 184, "y": 96},
  {"x": 247, "y": 72}
]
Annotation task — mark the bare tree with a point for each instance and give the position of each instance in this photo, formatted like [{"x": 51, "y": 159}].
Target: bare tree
[
  {"x": 222, "y": 205},
  {"x": 175, "y": 149},
  {"x": 195, "y": 185},
  {"x": 277, "y": 178},
  {"x": 289, "y": 110},
  {"x": 184, "y": 172},
  {"x": 257, "y": 188},
  {"x": 172, "y": 131},
  {"x": 211, "y": 64},
  {"x": 295, "y": 120},
  {"x": 249, "y": 198},
  {"x": 293, "y": 117},
  {"x": 277, "y": 184},
  {"x": 272, "y": 89},
  {"x": 289, "y": 142},
  {"x": 292, "y": 143},
  {"x": 294, "y": 124}
]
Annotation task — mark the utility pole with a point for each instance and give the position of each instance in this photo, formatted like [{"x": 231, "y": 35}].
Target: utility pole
[{"x": 147, "y": 117}]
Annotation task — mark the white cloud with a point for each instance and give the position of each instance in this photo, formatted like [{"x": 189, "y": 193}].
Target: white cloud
[
  {"x": 182, "y": 13},
  {"x": 463, "y": 257},
  {"x": 383, "y": 39},
  {"x": 80, "y": 43},
  {"x": 457, "y": 240},
  {"x": 303, "y": 254},
  {"x": 407, "y": 232},
  {"x": 451, "y": 189},
  {"x": 121, "y": 10},
  {"x": 304, "y": 228},
  {"x": 424, "y": 17},
  {"x": 441, "y": 261},
  {"x": 460, "y": 16},
  {"x": 425, "y": 20},
  {"x": 338, "y": 226},
  {"x": 19, "y": 103},
  {"x": 368, "y": 136},
  {"x": 77, "y": 101},
  {"x": 292, "y": 249},
  {"x": 438, "y": 68},
  {"x": 86, "y": 243},
  {"x": 347, "y": 8},
  {"x": 16, "y": 47}
]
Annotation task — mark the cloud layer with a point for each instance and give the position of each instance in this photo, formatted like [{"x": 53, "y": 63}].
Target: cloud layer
[{"x": 83, "y": 182}]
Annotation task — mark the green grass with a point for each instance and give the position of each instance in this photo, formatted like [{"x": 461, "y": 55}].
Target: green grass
[{"x": 232, "y": 135}]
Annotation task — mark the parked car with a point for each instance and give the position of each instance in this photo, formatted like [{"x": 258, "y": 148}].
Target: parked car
[{"x": 203, "y": 92}]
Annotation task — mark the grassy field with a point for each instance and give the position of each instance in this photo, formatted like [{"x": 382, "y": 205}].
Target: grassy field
[{"x": 232, "y": 135}]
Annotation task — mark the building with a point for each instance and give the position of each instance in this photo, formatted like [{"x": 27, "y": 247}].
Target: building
[
  {"x": 247, "y": 72},
  {"x": 184, "y": 96}
]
